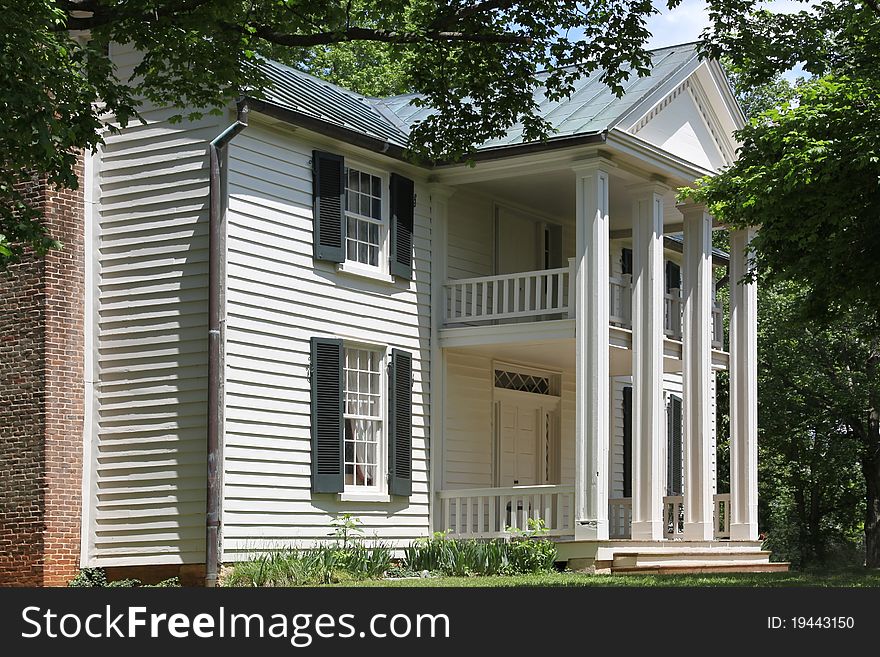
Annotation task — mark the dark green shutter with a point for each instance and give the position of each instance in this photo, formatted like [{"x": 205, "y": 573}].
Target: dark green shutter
[
  {"x": 673, "y": 447},
  {"x": 402, "y": 222},
  {"x": 328, "y": 200},
  {"x": 626, "y": 261},
  {"x": 627, "y": 441},
  {"x": 327, "y": 392},
  {"x": 673, "y": 276},
  {"x": 400, "y": 424}
]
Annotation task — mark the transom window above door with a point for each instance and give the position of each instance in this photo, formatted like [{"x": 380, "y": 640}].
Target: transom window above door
[
  {"x": 534, "y": 383},
  {"x": 365, "y": 232}
]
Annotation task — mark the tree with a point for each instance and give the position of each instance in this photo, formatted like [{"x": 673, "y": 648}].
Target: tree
[
  {"x": 812, "y": 442},
  {"x": 476, "y": 62},
  {"x": 808, "y": 174}
]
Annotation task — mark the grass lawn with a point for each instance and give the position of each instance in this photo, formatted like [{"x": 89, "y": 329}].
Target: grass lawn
[{"x": 841, "y": 578}]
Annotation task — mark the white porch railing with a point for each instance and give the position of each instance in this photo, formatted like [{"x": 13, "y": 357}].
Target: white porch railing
[
  {"x": 620, "y": 301},
  {"x": 620, "y": 517},
  {"x": 550, "y": 293},
  {"x": 509, "y": 296},
  {"x": 492, "y": 512},
  {"x": 672, "y": 314},
  {"x": 717, "y": 325},
  {"x": 722, "y": 515},
  {"x": 673, "y": 516}
]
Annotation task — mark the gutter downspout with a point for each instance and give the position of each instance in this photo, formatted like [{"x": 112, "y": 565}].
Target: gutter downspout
[{"x": 216, "y": 325}]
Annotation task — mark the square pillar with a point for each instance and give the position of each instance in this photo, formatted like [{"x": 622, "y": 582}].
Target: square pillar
[
  {"x": 647, "y": 354},
  {"x": 591, "y": 345},
  {"x": 743, "y": 391},
  {"x": 697, "y": 373}
]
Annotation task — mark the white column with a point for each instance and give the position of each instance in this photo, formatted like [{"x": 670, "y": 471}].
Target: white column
[
  {"x": 591, "y": 344},
  {"x": 697, "y": 373},
  {"x": 647, "y": 365},
  {"x": 743, "y": 392},
  {"x": 440, "y": 195}
]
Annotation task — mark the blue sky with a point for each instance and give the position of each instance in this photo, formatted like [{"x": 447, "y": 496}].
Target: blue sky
[{"x": 686, "y": 22}]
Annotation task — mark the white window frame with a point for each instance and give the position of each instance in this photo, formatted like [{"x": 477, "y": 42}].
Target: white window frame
[
  {"x": 356, "y": 267},
  {"x": 379, "y": 491}
]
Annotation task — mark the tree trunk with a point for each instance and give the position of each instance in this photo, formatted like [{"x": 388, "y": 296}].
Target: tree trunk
[{"x": 871, "y": 471}]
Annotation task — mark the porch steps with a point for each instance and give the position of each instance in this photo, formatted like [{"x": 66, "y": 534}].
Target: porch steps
[
  {"x": 669, "y": 557},
  {"x": 712, "y": 561}
]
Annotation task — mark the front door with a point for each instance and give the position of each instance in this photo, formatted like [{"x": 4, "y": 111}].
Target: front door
[{"x": 520, "y": 441}]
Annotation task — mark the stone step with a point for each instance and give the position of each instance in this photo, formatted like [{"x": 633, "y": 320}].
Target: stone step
[
  {"x": 692, "y": 558},
  {"x": 608, "y": 551}
]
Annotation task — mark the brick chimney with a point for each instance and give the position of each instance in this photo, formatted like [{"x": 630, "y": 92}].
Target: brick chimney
[{"x": 41, "y": 400}]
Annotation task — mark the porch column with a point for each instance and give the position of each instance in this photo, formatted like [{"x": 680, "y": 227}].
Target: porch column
[
  {"x": 743, "y": 392},
  {"x": 647, "y": 365},
  {"x": 697, "y": 373},
  {"x": 591, "y": 345}
]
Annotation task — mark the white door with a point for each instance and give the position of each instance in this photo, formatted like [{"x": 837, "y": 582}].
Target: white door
[
  {"x": 520, "y": 441},
  {"x": 517, "y": 246}
]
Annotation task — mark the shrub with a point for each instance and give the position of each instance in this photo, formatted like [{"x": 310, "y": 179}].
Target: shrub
[
  {"x": 521, "y": 554},
  {"x": 97, "y": 578}
]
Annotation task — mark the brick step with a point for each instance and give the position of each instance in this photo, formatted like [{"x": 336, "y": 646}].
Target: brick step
[{"x": 719, "y": 567}]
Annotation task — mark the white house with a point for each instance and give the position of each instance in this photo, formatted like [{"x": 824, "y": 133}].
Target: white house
[{"x": 451, "y": 349}]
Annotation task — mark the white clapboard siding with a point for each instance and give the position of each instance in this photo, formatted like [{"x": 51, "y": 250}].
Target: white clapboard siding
[
  {"x": 147, "y": 498},
  {"x": 278, "y": 298}
]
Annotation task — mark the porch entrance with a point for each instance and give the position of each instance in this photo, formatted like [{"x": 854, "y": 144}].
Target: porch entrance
[{"x": 526, "y": 444}]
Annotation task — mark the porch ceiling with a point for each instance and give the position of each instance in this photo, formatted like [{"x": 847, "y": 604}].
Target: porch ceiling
[{"x": 552, "y": 194}]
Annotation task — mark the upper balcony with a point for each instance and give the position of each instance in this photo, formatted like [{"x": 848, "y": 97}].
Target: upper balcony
[{"x": 535, "y": 296}]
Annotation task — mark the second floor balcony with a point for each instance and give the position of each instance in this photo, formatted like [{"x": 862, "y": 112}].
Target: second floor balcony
[{"x": 534, "y": 296}]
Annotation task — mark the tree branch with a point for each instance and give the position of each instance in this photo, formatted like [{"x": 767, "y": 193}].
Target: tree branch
[
  {"x": 366, "y": 34},
  {"x": 466, "y": 12}
]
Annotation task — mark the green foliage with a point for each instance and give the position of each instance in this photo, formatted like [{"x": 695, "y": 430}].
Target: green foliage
[
  {"x": 815, "y": 380},
  {"x": 464, "y": 557},
  {"x": 348, "y": 558},
  {"x": 476, "y": 64},
  {"x": 321, "y": 565},
  {"x": 97, "y": 578}
]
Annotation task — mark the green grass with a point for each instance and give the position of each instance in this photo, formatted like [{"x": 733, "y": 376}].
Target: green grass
[{"x": 842, "y": 578}]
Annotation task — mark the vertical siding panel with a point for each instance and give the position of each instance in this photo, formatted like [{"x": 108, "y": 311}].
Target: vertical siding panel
[{"x": 148, "y": 501}]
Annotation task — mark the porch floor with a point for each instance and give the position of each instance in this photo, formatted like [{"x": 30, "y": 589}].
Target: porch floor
[{"x": 666, "y": 556}]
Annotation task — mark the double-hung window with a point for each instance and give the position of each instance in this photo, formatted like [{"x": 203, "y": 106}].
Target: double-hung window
[
  {"x": 363, "y": 413},
  {"x": 365, "y": 218}
]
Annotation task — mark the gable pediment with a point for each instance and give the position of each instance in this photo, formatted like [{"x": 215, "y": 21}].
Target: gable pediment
[{"x": 686, "y": 123}]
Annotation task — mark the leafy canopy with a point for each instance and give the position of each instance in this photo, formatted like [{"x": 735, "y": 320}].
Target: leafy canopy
[
  {"x": 808, "y": 171},
  {"x": 477, "y": 62}
]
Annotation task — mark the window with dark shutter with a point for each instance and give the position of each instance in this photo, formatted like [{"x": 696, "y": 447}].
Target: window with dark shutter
[
  {"x": 327, "y": 434},
  {"x": 673, "y": 447},
  {"x": 402, "y": 221},
  {"x": 626, "y": 261},
  {"x": 627, "y": 440},
  {"x": 673, "y": 276},
  {"x": 328, "y": 199},
  {"x": 400, "y": 424}
]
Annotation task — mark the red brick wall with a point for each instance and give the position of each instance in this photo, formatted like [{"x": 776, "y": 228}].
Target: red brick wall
[{"x": 41, "y": 402}]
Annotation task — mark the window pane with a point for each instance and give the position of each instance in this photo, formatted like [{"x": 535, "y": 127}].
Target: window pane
[
  {"x": 354, "y": 179},
  {"x": 377, "y": 209},
  {"x": 374, "y": 256},
  {"x": 377, "y": 186},
  {"x": 374, "y": 234},
  {"x": 362, "y": 253}
]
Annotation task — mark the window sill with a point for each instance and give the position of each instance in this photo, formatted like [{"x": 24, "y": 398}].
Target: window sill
[
  {"x": 363, "y": 497},
  {"x": 352, "y": 269}
]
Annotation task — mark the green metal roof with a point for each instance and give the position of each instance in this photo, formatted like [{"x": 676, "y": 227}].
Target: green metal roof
[{"x": 592, "y": 107}]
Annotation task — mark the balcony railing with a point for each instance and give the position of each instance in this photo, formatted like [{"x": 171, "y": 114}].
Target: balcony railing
[
  {"x": 528, "y": 294},
  {"x": 498, "y": 512},
  {"x": 549, "y": 294}
]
